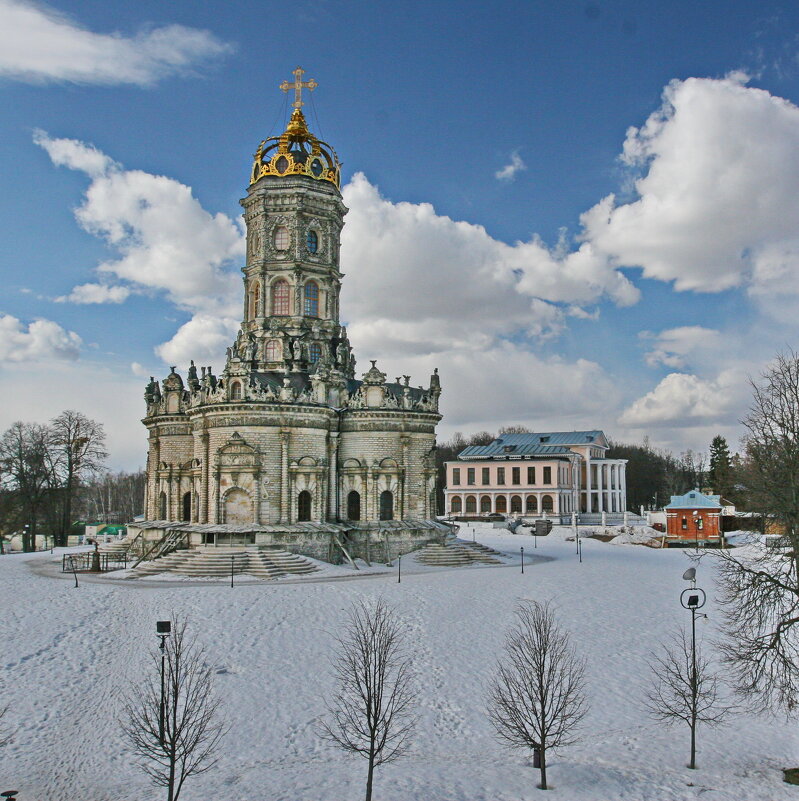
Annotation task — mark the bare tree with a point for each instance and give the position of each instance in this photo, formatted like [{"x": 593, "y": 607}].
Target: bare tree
[
  {"x": 685, "y": 688},
  {"x": 371, "y": 714},
  {"x": 26, "y": 472},
  {"x": 536, "y": 699},
  {"x": 759, "y": 586},
  {"x": 77, "y": 447},
  {"x": 183, "y": 741}
]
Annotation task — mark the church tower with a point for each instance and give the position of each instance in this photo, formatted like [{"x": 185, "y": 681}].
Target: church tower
[
  {"x": 286, "y": 435},
  {"x": 294, "y": 215}
]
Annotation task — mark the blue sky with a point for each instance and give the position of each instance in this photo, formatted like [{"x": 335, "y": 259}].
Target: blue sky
[{"x": 582, "y": 213}]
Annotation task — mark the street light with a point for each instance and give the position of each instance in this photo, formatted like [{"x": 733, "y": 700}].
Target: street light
[
  {"x": 163, "y": 629},
  {"x": 693, "y": 599}
]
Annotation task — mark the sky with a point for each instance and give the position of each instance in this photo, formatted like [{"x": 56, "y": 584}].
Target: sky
[{"x": 585, "y": 214}]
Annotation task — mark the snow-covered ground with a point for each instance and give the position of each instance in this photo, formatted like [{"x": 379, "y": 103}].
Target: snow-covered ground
[{"x": 68, "y": 653}]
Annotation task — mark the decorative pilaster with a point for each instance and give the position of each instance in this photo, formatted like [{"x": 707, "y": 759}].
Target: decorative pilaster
[{"x": 284, "y": 477}]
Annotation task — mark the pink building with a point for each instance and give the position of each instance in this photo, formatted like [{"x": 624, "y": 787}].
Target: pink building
[{"x": 552, "y": 474}]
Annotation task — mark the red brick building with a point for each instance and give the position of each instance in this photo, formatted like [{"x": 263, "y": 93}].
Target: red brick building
[{"x": 693, "y": 517}]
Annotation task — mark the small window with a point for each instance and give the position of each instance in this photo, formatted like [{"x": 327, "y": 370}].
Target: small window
[
  {"x": 547, "y": 475},
  {"x": 544, "y": 439},
  {"x": 531, "y": 475},
  {"x": 273, "y": 350},
  {"x": 312, "y": 241},
  {"x": 455, "y": 504},
  {"x": 281, "y": 238},
  {"x": 235, "y": 391},
  {"x": 486, "y": 476},
  {"x": 311, "y": 299},
  {"x": 485, "y": 504},
  {"x": 684, "y": 523},
  {"x": 516, "y": 476},
  {"x": 500, "y": 475},
  {"x": 470, "y": 479},
  {"x": 354, "y": 505},
  {"x": 516, "y": 503},
  {"x": 315, "y": 352},
  {"x": 700, "y": 523},
  {"x": 471, "y": 505},
  {"x": 280, "y": 298},
  {"x": 456, "y": 476}
]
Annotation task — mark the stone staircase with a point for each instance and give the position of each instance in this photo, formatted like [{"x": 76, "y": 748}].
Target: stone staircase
[
  {"x": 209, "y": 561},
  {"x": 457, "y": 553}
]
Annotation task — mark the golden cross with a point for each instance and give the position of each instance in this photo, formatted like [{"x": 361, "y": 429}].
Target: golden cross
[{"x": 298, "y": 86}]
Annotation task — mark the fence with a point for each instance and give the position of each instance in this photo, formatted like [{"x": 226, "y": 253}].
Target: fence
[{"x": 92, "y": 562}]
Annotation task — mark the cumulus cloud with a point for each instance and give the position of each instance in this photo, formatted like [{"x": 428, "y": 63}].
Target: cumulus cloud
[
  {"x": 165, "y": 241},
  {"x": 671, "y": 347},
  {"x": 204, "y": 338},
  {"x": 41, "y": 45},
  {"x": 96, "y": 293},
  {"x": 434, "y": 279},
  {"x": 40, "y": 341},
  {"x": 683, "y": 399},
  {"x": 716, "y": 204},
  {"x": 508, "y": 172}
]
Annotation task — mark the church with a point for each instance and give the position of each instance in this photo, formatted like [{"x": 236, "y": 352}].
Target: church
[{"x": 285, "y": 447}]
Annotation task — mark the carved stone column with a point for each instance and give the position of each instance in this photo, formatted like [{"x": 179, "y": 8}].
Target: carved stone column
[
  {"x": 205, "y": 490},
  {"x": 332, "y": 475},
  {"x": 404, "y": 478},
  {"x": 284, "y": 477}
]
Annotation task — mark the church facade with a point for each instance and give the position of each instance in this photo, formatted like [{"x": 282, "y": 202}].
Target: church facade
[{"x": 286, "y": 447}]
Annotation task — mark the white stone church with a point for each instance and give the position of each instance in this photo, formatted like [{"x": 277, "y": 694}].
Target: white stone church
[{"x": 285, "y": 447}]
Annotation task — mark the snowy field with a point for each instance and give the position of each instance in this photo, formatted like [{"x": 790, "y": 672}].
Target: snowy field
[{"x": 67, "y": 654}]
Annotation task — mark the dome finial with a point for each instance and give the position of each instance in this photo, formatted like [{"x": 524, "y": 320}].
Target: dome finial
[{"x": 298, "y": 86}]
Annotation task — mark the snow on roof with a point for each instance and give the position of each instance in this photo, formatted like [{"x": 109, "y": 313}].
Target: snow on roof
[
  {"x": 695, "y": 500},
  {"x": 548, "y": 443}
]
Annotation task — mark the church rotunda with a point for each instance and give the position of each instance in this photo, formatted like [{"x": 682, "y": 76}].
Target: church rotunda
[{"x": 286, "y": 447}]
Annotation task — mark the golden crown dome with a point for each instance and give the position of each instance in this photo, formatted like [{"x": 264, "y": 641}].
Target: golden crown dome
[{"x": 296, "y": 152}]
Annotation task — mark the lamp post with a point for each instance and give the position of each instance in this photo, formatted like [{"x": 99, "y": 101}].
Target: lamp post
[
  {"x": 163, "y": 629},
  {"x": 693, "y": 599},
  {"x": 399, "y": 569},
  {"x": 522, "y": 550}
]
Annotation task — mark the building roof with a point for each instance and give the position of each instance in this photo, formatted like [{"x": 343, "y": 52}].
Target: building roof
[
  {"x": 551, "y": 443},
  {"x": 695, "y": 500}
]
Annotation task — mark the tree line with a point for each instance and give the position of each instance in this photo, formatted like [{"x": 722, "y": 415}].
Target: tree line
[{"x": 53, "y": 474}]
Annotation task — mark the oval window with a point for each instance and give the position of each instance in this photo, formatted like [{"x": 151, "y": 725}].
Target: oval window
[
  {"x": 312, "y": 241},
  {"x": 316, "y": 167},
  {"x": 282, "y": 238},
  {"x": 282, "y": 164}
]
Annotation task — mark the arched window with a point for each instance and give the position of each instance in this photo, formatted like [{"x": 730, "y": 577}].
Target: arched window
[
  {"x": 516, "y": 503},
  {"x": 353, "y": 505},
  {"x": 386, "y": 505},
  {"x": 281, "y": 296},
  {"x": 162, "y": 506},
  {"x": 304, "y": 506},
  {"x": 312, "y": 241},
  {"x": 235, "y": 390},
  {"x": 502, "y": 504},
  {"x": 315, "y": 352},
  {"x": 282, "y": 238},
  {"x": 471, "y": 505},
  {"x": 531, "y": 505},
  {"x": 547, "y": 504},
  {"x": 274, "y": 351},
  {"x": 186, "y": 508},
  {"x": 455, "y": 505},
  {"x": 311, "y": 308},
  {"x": 256, "y": 300},
  {"x": 485, "y": 504}
]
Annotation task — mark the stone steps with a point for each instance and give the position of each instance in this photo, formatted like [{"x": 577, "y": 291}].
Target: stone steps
[
  {"x": 455, "y": 554},
  {"x": 209, "y": 561}
]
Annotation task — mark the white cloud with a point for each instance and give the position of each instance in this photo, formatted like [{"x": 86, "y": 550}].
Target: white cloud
[
  {"x": 717, "y": 205},
  {"x": 418, "y": 271},
  {"x": 40, "y": 341},
  {"x": 41, "y": 45},
  {"x": 671, "y": 347},
  {"x": 508, "y": 172},
  {"x": 683, "y": 399},
  {"x": 138, "y": 369},
  {"x": 165, "y": 240},
  {"x": 204, "y": 338},
  {"x": 96, "y": 293}
]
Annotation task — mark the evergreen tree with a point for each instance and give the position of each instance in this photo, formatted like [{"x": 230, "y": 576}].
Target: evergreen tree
[{"x": 720, "y": 474}]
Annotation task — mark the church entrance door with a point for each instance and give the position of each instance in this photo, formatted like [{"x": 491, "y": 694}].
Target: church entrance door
[
  {"x": 186, "y": 508},
  {"x": 304, "y": 506},
  {"x": 354, "y": 505}
]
